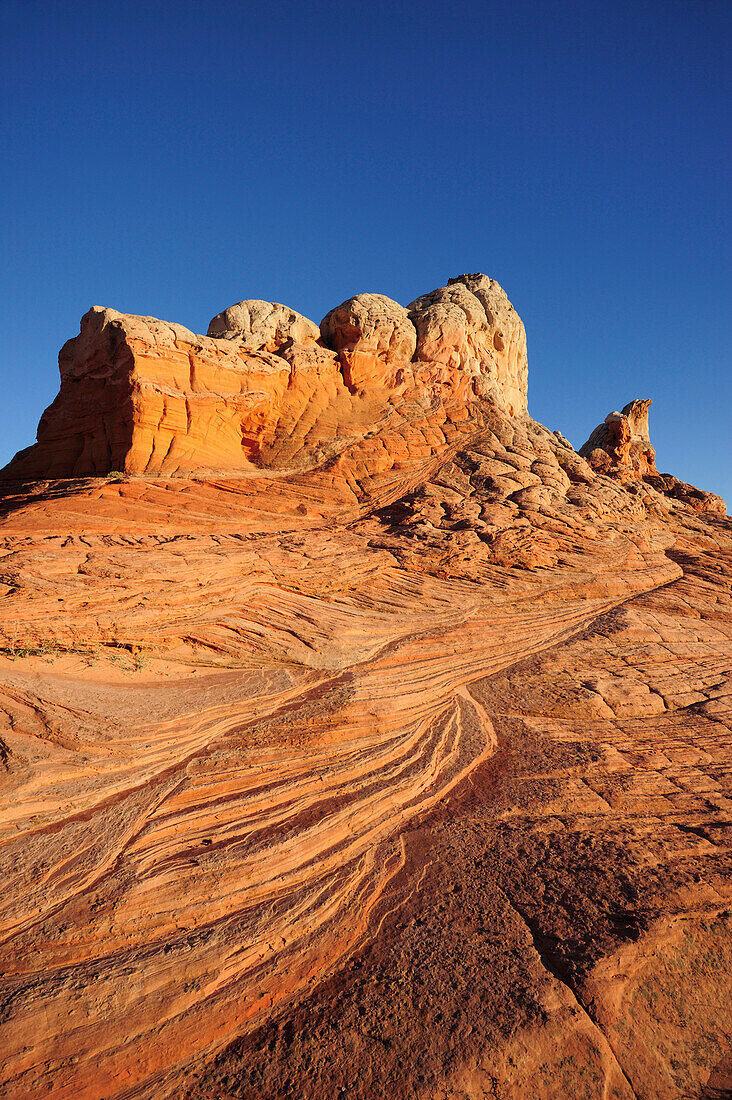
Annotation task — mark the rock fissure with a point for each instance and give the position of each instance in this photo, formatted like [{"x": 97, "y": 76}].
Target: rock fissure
[{"x": 556, "y": 971}]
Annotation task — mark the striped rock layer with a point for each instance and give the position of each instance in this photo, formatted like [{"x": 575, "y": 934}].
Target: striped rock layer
[{"x": 393, "y": 760}]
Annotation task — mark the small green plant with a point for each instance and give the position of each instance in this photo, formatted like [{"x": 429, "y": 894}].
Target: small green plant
[
  {"x": 115, "y": 475},
  {"x": 44, "y": 649},
  {"x": 140, "y": 660}
]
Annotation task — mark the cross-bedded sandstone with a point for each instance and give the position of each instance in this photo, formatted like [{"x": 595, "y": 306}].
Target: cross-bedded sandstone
[{"x": 390, "y": 758}]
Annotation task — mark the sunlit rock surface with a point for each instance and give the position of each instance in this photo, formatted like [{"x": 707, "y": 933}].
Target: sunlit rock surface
[
  {"x": 622, "y": 443},
  {"x": 382, "y": 751},
  {"x": 621, "y": 447},
  {"x": 267, "y": 387}
]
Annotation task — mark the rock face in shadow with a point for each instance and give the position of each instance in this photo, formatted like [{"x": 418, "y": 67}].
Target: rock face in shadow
[
  {"x": 392, "y": 761},
  {"x": 139, "y": 395}
]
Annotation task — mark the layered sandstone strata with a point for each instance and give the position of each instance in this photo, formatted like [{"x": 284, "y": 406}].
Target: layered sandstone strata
[
  {"x": 139, "y": 395},
  {"x": 395, "y": 762}
]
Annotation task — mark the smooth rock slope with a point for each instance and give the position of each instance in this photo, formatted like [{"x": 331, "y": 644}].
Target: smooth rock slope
[{"x": 358, "y": 736}]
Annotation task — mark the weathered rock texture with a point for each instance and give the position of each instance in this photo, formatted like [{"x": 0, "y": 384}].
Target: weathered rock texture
[
  {"x": 374, "y": 338},
  {"x": 469, "y": 327},
  {"x": 264, "y": 325},
  {"x": 397, "y": 764}
]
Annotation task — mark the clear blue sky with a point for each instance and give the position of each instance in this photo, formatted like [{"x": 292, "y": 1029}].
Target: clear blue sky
[{"x": 173, "y": 158}]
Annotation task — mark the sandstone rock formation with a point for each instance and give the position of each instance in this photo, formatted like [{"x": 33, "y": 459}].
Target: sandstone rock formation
[
  {"x": 142, "y": 396},
  {"x": 373, "y": 336},
  {"x": 392, "y": 761},
  {"x": 471, "y": 326},
  {"x": 622, "y": 442},
  {"x": 139, "y": 395},
  {"x": 621, "y": 447},
  {"x": 266, "y": 325}
]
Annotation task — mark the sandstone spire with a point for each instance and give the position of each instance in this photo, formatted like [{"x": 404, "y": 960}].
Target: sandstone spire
[
  {"x": 621, "y": 447},
  {"x": 622, "y": 442}
]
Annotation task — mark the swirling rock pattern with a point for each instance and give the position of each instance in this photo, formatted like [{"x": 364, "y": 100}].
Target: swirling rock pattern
[{"x": 394, "y": 761}]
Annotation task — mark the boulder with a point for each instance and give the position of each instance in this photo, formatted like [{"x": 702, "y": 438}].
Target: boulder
[
  {"x": 469, "y": 328},
  {"x": 372, "y": 335},
  {"x": 267, "y": 325}
]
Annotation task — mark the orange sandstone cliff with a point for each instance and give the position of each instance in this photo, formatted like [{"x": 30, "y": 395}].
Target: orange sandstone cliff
[{"x": 359, "y": 737}]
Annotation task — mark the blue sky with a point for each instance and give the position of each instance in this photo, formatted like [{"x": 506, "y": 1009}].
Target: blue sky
[{"x": 173, "y": 158}]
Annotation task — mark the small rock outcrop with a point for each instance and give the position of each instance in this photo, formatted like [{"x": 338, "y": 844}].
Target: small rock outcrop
[
  {"x": 621, "y": 447},
  {"x": 622, "y": 443},
  {"x": 698, "y": 499}
]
